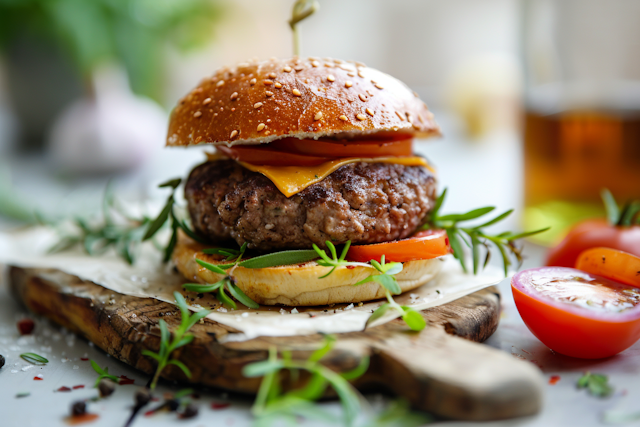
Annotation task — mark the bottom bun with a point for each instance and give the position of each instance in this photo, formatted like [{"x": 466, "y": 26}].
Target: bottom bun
[{"x": 300, "y": 284}]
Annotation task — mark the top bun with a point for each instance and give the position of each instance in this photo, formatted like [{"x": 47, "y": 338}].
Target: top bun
[{"x": 261, "y": 101}]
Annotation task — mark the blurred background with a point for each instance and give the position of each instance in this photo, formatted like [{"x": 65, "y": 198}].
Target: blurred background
[{"x": 539, "y": 100}]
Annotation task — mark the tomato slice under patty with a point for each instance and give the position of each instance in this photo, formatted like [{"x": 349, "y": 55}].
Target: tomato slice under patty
[
  {"x": 576, "y": 313},
  {"x": 613, "y": 264},
  {"x": 424, "y": 245},
  {"x": 309, "y": 152}
]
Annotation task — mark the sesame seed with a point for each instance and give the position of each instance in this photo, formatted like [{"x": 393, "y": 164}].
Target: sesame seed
[
  {"x": 296, "y": 92},
  {"x": 331, "y": 78},
  {"x": 267, "y": 133},
  {"x": 361, "y": 117},
  {"x": 206, "y": 101},
  {"x": 318, "y": 116},
  {"x": 252, "y": 82},
  {"x": 360, "y": 74},
  {"x": 362, "y": 97},
  {"x": 379, "y": 86},
  {"x": 369, "y": 112},
  {"x": 400, "y": 116},
  {"x": 351, "y": 74},
  {"x": 344, "y": 118},
  {"x": 315, "y": 63},
  {"x": 348, "y": 83},
  {"x": 269, "y": 93},
  {"x": 338, "y": 61},
  {"x": 278, "y": 85},
  {"x": 272, "y": 75},
  {"x": 299, "y": 68},
  {"x": 233, "y": 134},
  {"x": 261, "y": 126},
  {"x": 287, "y": 69},
  {"x": 197, "y": 114},
  {"x": 257, "y": 105},
  {"x": 220, "y": 83},
  {"x": 328, "y": 65},
  {"x": 234, "y": 96},
  {"x": 268, "y": 82}
]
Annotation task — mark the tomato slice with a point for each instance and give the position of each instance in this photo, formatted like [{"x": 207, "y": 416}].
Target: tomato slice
[
  {"x": 424, "y": 245},
  {"x": 337, "y": 149},
  {"x": 613, "y": 264},
  {"x": 267, "y": 156},
  {"x": 576, "y": 313}
]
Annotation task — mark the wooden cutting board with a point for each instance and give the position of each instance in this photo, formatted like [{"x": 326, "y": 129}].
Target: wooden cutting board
[{"x": 442, "y": 370}]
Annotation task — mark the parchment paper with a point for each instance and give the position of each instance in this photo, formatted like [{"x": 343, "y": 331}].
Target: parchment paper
[{"x": 150, "y": 278}]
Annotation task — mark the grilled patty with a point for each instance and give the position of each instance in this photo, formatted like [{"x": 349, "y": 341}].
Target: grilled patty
[{"x": 361, "y": 202}]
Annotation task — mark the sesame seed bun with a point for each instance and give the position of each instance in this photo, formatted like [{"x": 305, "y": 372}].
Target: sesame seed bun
[
  {"x": 300, "y": 284},
  {"x": 261, "y": 101}
]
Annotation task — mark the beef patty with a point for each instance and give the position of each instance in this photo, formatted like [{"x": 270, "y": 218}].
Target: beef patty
[{"x": 361, "y": 202}]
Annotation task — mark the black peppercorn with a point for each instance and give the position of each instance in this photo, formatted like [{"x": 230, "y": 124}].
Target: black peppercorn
[
  {"x": 172, "y": 404},
  {"x": 106, "y": 387},
  {"x": 189, "y": 411},
  {"x": 1, "y": 361},
  {"x": 142, "y": 397},
  {"x": 78, "y": 408}
]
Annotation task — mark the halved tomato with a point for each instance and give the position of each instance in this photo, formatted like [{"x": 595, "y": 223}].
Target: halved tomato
[
  {"x": 576, "y": 313},
  {"x": 424, "y": 245},
  {"x": 612, "y": 264}
]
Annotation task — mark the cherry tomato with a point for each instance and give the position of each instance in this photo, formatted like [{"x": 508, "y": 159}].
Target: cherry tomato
[
  {"x": 576, "y": 313},
  {"x": 424, "y": 245},
  {"x": 594, "y": 233},
  {"x": 612, "y": 264}
]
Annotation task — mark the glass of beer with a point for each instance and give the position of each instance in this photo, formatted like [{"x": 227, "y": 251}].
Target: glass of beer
[{"x": 582, "y": 109}]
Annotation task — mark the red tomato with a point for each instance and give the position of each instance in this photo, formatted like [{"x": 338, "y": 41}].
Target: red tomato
[
  {"x": 576, "y": 313},
  {"x": 424, "y": 245},
  {"x": 594, "y": 233},
  {"x": 612, "y": 264},
  {"x": 268, "y": 156}
]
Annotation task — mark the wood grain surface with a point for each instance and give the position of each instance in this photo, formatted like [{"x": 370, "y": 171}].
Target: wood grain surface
[{"x": 441, "y": 370}]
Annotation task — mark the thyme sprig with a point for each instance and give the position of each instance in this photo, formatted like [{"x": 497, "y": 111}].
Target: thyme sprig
[
  {"x": 628, "y": 216},
  {"x": 335, "y": 261},
  {"x": 272, "y": 404},
  {"x": 475, "y": 237},
  {"x": 170, "y": 342},
  {"x": 229, "y": 253},
  {"x": 219, "y": 287},
  {"x": 102, "y": 373}
]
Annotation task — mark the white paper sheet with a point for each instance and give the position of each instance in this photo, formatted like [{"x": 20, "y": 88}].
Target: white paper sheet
[{"x": 150, "y": 278}]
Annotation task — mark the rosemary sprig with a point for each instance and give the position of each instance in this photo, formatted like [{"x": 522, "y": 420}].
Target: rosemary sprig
[
  {"x": 475, "y": 237},
  {"x": 230, "y": 254},
  {"x": 170, "y": 342},
  {"x": 272, "y": 404},
  {"x": 628, "y": 216},
  {"x": 33, "y": 358},
  {"x": 102, "y": 373},
  {"x": 218, "y": 287}
]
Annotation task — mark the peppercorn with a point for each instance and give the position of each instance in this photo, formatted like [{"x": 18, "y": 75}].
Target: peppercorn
[
  {"x": 172, "y": 404},
  {"x": 78, "y": 408},
  {"x": 142, "y": 397},
  {"x": 106, "y": 387},
  {"x": 1, "y": 361},
  {"x": 189, "y": 411}
]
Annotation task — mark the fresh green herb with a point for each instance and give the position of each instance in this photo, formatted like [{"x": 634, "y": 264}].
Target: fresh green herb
[
  {"x": 169, "y": 343},
  {"x": 302, "y": 9},
  {"x": 274, "y": 259},
  {"x": 102, "y": 373},
  {"x": 219, "y": 287},
  {"x": 399, "y": 413},
  {"x": 333, "y": 262},
  {"x": 597, "y": 384},
  {"x": 272, "y": 404},
  {"x": 229, "y": 253},
  {"x": 23, "y": 394},
  {"x": 36, "y": 359},
  {"x": 475, "y": 237},
  {"x": 627, "y": 217},
  {"x": 619, "y": 417}
]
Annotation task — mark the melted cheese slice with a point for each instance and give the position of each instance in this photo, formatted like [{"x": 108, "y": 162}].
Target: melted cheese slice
[{"x": 291, "y": 180}]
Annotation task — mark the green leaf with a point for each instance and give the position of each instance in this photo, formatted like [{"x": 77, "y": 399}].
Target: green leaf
[
  {"x": 180, "y": 365},
  {"x": 393, "y": 268},
  {"x": 200, "y": 288},
  {"x": 173, "y": 183},
  {"x": 458, "y": 252},
  {"x": 314, "y": 389},
  {"x": 378, "y": 313},
  {"x": 365, "y": 280},
  {"x": 189, "y": 232},
  {"x": 172, "y": 242},
  {"x": 151, "y": 354},
  {"x": 596, "y": 384},
  {"x": 224, "y": 299},
  {"x": 611, "y": 206},
  {"x": 183, "y": 393},
  {"x": 34, "y": 358},
  {"x": 164, "y": 336},
  {"x": 438, "y": 204},
  {"x": 399, "y": 413},
  {"x": 511, "y": 236},
  {"x": 240, "y": 296},
  {"x": 211, "y": 267},
  {"x": 329, "y": 342},
  {"x": 629, "y": 214},
  {"x": 413, "y": 319},
  {"x": 473, "y": 214},
  {"x": 280, "y": 258},
  {"x": 262, "y": 368},
  {"x": 348, "y": 397},
  {"x": 389, "y": 282},
  {"x": 358, "y": 371},
  {"x": 160, "y": 220},
  {"x": 183, "y": 341},
  {"x": 494, "y": 220}
]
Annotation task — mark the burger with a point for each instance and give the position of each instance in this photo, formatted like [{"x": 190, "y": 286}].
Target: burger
[{"x": 308, "y": 151}]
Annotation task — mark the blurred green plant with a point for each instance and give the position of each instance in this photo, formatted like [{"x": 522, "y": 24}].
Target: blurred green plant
[{"x": 135, "y": 33}]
